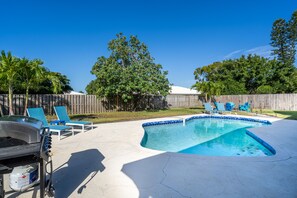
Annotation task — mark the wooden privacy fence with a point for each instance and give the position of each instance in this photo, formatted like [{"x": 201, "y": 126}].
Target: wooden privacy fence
[
  {"x": 87, "y": 104},
  {"x": 285, "y": 102},
  {"x": 76, "y": 104}
]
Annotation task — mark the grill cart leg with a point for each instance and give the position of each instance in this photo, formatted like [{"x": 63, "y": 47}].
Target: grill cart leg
[
  {"x": 49, "y": 189},
  {"x": 42, "y": 178},
  {"x": 1, "y": 187}
]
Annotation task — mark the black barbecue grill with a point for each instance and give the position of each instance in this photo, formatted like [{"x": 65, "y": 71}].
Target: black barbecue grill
[{"x": 23, "y": 141}]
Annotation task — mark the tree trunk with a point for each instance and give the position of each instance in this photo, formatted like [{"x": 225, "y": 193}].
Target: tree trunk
[
  {"x": 26, "y": 101},
  {"x": 118, "y": 102},
  {"x": 10, "y": 95},
  {"x": 136, "y": 100}
]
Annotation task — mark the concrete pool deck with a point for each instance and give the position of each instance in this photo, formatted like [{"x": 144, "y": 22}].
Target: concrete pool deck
[{"x": 108, "y": 161}]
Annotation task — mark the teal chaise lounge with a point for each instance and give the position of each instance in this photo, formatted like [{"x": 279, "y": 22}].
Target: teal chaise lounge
[
  {"x": 62, "y": 115},
  {"x": 38, "y": 114},
  {"x": 208, "y": 108},
  {"x": 220, "y": 107}
]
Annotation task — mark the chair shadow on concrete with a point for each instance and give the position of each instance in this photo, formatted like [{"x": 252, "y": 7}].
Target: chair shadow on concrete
[{"x": 72, "y": 174}]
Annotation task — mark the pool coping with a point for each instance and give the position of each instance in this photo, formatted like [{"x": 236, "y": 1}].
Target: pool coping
[{"x": 205, "y": 116}]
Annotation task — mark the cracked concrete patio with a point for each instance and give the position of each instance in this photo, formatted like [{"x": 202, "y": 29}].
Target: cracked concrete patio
[{"x": 108, "y": 161}]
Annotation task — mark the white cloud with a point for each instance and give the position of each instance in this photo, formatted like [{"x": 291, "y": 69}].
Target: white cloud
[
  {"x": 232, "y": 54},
  {"x": 264, "y": 51}
]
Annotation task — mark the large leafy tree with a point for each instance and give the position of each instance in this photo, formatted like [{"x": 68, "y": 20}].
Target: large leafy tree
[
  {"x": 258, "y": 73},
  {"x": 9, "y": 71},
  {"x": 129, "y": 73},
  {"x": 246, "y": 75},
  {"x": 92, "y": 87}
]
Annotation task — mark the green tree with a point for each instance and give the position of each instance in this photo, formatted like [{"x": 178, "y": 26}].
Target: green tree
[
  {"x": 53, "y": 83},
  {"x": 59, "y": 82},
  {"x": 283, "y": 40},
  {"x": 231, "y": 73},
  {"x": 9, "y": 71},
  {"x": 129, "y": 73},
  {"x": 247, "y": 75},
  {"x": 283, "y": 79},
  {"x": 31, "y": 75},
  {"x": 92, "y": 87},
  {"x": 264, "y": 89},
  {"x": 259, "y": 72},
  {"x": 279, "y": 41},
  {"x": 292, "y": 28},
  {"x": 209, "y": 89},
  {"x": 232, "y": 87},
  {"x": 24, "y": 76}
]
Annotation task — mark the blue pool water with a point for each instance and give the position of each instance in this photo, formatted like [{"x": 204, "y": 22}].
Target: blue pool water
[{"x": 206, "y": 136}]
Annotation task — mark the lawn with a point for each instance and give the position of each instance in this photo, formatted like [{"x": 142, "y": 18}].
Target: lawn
[
  {"x": 291, "y": 115},
  {"x": 139, "y": 115}
]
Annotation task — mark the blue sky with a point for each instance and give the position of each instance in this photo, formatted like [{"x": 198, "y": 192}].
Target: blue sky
[{"x": 69, "y": 35}]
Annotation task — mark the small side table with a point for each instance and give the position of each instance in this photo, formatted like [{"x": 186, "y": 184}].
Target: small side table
[{"x": 57, "y": 122}]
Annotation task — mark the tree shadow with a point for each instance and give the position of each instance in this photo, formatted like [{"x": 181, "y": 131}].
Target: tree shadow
[{"x": 80, "y": 166}]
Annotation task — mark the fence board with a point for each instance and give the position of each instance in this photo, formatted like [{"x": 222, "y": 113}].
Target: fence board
[{"x": 179, "y": 100}]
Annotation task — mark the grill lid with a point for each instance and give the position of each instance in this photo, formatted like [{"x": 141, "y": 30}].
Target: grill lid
[{"x": 20, "y": 127}]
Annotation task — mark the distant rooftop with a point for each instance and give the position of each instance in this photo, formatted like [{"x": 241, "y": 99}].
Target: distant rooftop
[
  {"x": 182, "y": 90},
  {"x": 74, "y": 93}
]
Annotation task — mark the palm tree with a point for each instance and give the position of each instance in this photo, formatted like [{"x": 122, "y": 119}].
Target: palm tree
[
  {"x": 9, "y": 71},
  {"x": 55, "y": 81},
  {"x": 209, "y": 89},
  {"x": 32, "y": 73}
]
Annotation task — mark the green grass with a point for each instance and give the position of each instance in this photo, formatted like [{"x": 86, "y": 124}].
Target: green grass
[
  {"x": 139, "y": 115},
  {"x": 291, "y": 115}
]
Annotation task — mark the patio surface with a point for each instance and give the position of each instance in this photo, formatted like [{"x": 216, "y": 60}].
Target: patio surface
[{"x": 108, "y": 161}]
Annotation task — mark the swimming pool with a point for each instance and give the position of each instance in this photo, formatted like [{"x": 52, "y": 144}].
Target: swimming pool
[{"x": 207, "y": 135}]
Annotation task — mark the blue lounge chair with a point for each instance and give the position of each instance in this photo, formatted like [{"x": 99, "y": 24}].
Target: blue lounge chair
[
  {"x": 62, "y": 115},
  {"x": 244, "y": 107},
  {"x": 220, "y": 107},
  {"x": 38, "y": 113},
  {"x": 208, "y": 108},
  {"x": 230, "y": 106}
]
